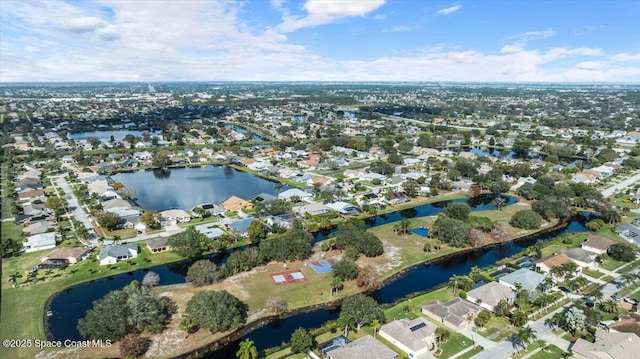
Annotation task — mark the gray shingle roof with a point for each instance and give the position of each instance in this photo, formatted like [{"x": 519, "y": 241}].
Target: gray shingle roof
[
  {"x": 401, "y": 330},
  {"x": 528, "y": 278},
  {"x": 366, "y": 347}
]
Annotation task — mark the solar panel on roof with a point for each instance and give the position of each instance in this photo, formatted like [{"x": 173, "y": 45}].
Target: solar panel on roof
[{"x": 418, "y": 326}]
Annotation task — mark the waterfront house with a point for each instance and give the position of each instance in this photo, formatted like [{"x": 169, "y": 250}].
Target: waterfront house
[
  {"x": 581, "y": 257},
  {"x": 366, "y": 347},
  {"x": 456, "y": 314},
  {"x": 172, "y": 217},
  {"x": 294, "y": 192},
  {"x": 343, "y": 207},
  {"x": 490, "y": 294},
  {"x": 313, "y": 209},
  {"x": 115, "y": 254},
  {"x": 39, "y": 242},
  {"x": 545, "y": 265},
  {"x": 629, "y": 232},
  {"x": 234, "y": 203},
  {"x": 528, "y": 279},
  {"x": 63, "y": 257},
  {"x": 158, "y": 245},
  {"x": 211, "y": 232},
  {"x": 241, "y": 226},
  {"x": 415, "y": 337},
  {"x": 597, "y": 244}
]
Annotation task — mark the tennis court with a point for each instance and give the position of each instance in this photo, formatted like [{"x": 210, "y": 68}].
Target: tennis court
[
  {"x": 321, "y": 267},
  {"x": 288, "y": 277}
]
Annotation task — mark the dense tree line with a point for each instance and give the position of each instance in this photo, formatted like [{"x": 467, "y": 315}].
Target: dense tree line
[
  {"x": 352, "y": 237},
  {"x": 216, "y": 311}
]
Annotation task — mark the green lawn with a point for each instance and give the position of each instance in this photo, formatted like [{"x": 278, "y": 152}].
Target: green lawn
[
  {"x": 611, "y": 264},
  {"x": 592, "y": 273},
  {"x": 550, "y": 352},
  {"x": 26, "y": 303},
  {"x": 456, "y": 343},
  {"x": 414, "y": 305},
  {"x": 494, "y": 325},
  {"x": 471, "y": 353}
]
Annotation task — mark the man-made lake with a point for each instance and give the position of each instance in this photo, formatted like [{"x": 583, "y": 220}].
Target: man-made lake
[
  {"x": 105, "y": 136},
  {"x": 185, "y": 188}
]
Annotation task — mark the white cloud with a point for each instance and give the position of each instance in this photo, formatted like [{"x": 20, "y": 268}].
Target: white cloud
[
  {"x": 449, "y": 10},
  {"x": 402, "y": 28},
  {"x": 204, "y": 40},
  {"x": 82, "y": 25},
  {"x": 320, "y": 12}
]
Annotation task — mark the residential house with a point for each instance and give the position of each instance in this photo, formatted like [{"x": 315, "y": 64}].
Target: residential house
[
  {"x": 234, "y": 203},
  {"x": 39, "y": 242},
  {"x": 608, "y": 345},
  {"x": 115, "y": 203},
  {"x": 544, "y": 265},
  {"x": 415, "y": 337},
  {"x": 294, "y": 192},
  {"x": 211, "y": 232},
  {"x": 528, "y": 279},
  {"x": 172, "y": 217},
  {"x": 313, "y": 209},
  {"x": 597, "y": 244},
  {"x": 581, "y": 257},
  {"x": 343, "y": 207},
  {"x": 30, "y": 194},
  {"x": 158, "y": 245},
  {"x": 490, "y": 294},
  {"x": 115, "y": 254},
  {"x": 241, "y": 226},
  {"x": 39, "y": 227},
  {"x": 454, "y": 314},
  {"x": 264, "y": 197},
  {"x": 366, "y": 347},
  {"x": 587, "y": 177},
  {"x": 629, "y": 232},
  {"x": 282, "y": 221},
  {"x": 212, "y": 209},
  {"x": 63, "y": 257}
]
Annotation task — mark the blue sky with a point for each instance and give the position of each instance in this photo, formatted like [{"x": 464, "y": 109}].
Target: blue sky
[{"x": 320, "y": 40}]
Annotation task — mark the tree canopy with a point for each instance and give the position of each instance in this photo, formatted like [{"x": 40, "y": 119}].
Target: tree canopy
[
  {"x": 363, "y": 309},
  {"x": 189, "y": 244},
  {"x": 452, "y": 231},
  {"x": 216, "y": 311},
  {"x": 133, "y": 309},
  {"x": 202, "y": 272},
  {"x": 526, "y": 219}
]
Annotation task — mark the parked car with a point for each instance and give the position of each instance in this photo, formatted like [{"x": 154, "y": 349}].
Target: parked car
[
  {"x": 616, "y": 297},
  {"x": 565, "y": 290},
  {"x": 631, "y": 301}
]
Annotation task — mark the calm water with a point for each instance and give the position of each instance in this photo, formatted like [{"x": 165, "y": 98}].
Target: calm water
[
  {"x": 105, "y": 135},
  {"x": 185, "y": 188}
]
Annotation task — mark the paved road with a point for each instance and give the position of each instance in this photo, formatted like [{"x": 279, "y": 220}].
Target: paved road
[
  {"x": 626, "y": 183},
  {"x": 77, "y": 211}
]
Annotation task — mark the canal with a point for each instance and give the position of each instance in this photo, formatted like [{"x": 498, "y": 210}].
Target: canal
[{"x": 71, "y": 304}]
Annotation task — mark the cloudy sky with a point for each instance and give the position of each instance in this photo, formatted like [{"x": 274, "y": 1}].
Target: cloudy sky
[{"x": 320, "y": 40}]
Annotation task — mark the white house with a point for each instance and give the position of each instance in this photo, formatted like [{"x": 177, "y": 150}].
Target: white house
[
  {"x": 415, "y": 337},
  {"x": 40, "y": 242},
  {"x": 115, "y": 254}
]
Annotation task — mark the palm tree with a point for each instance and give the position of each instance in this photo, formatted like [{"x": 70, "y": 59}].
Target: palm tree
[
  {"x": 116, "y": 239},
  {"x": 609, "y": 306},
  {"x": 519, "y": 318},
  {"x": 499, "y": 202},
  {"x": 628, "y": 278},
  {"x": 548, "y": 283},
  {"x": 555, "y": 321},
  {"x": 474, "y": 272},
  {"x": 82, "y": 232},
  {"x": 597, "y": 295},
  {"x": 336, "y": 283},
  {"x": 543, "y": 300},
  {"x": 405, "y": 225},
  {"x": 346, "y": 321},
  {"x": 375, "y": 326},
  {"x": 557, "y": 272},
  {"x": 441, "y": 334},
  {"x": 526, "y": 336},
  {"x": 612, "y": 216},
  {"x": 247, "y": 350},
  {"x": 453, "y": 283}
]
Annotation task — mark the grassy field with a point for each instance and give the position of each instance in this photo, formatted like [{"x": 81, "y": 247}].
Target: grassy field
[
  {"x": 494, "y": 325},
  {"x": 23, "y": 306}
]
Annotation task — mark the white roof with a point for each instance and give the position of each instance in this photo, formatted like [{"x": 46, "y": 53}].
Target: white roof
[
  {"x": 42, "y": 239},
  {"x": 294, "y": 192}
]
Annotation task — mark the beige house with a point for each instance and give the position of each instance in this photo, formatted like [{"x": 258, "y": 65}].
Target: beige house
[
  {"x": 490, "y": 294},
  {"x": 597, "y": 244},
  {"x": 457, "y": 314},
  {"x": 545, "y": 265},
  {"x": 236, "y": 203},
  {"x": 608, "y": 345},
  {"x": 63, "y": 257},
  {"x": 414, "y": 337}
]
